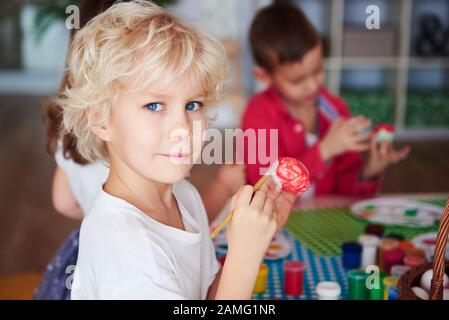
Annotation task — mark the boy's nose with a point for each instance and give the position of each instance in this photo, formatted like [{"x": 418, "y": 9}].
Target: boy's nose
[{"x": 313, "y": 85}]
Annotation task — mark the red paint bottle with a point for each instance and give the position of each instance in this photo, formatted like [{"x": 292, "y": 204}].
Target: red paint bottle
[{"x": 293, "y": 278}]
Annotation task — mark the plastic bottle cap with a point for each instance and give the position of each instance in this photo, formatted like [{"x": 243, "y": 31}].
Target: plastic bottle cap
[
  {"x": 406, "y": 245},
  {"x": 413, "y": 261},
  {"x": 398, "y": 237},
  {"x": 389, "y": 244},
  {"x": 416, "y": 252},
  {"x": 328, "y": 289},
  {"x": 263, "y": 270},
  {"x": 352, "y": 247},
  {"x": 399, "y": 270},
  {"x": 294, "y": 265},
  {"x": 390, "y": 281},
  {"x": 376, "y": 229},
  {"x": 357, "y": 274},
  {"x": 368, "y": 240}
]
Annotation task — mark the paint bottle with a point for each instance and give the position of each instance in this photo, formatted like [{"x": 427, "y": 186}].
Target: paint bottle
[
  {"x": 415, "y": 252},
  {"x": 352, "y": 255},
  {"x": 399, "y": 270},
  {"x": 357, "y": 285},
  {"x": 328, "y": 290},
  {"x": 391, "y": 258},
  {"x": 369, "y": 244},
  {"x": 376, "y": 289},
  {"x": 293, "y": 278},
  {"x": 406, "y": 245},
  {"x": 413, "y": 261},
  {"x": 386, "y": 245},
  {"x": 392, "y": 293},
  {"x": 261, "y": 281},
  {"x": 389, "y": 282}
]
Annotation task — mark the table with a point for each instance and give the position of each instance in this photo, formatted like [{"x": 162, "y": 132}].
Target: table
[{"x": 318, "y": 266}]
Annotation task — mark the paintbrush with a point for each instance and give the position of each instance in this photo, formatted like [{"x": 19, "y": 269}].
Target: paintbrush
[{"x": 289, "y": 174}]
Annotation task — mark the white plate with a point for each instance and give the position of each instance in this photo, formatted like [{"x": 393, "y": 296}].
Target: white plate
[
  {"x": 279, "y": 248},
  {"x": 393, "y": 211},
  {"x": 427, "y": 243}
]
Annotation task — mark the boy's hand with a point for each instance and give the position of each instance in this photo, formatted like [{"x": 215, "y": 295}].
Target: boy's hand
[
  {"x": 344, "y": 135},
  {"x": 252, "y": 226},
  {"x": 382, "y": 155}
]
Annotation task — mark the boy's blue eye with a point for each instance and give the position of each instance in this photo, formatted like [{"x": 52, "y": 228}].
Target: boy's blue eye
[
  {"x": 193, "y": 106},
  {"x": 154, "y": 106}
]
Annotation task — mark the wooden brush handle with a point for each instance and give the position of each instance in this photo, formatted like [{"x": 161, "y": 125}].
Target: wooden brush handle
[
  {"x": 436, "y": 289},
  {"x": 228, "y": 217}
]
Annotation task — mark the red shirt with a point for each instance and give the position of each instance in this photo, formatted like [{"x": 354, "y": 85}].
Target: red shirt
[{"x": 341, "y": 175}]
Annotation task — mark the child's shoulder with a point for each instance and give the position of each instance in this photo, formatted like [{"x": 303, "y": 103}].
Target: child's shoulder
[
  {"x": 261, "y": 100},
  {"x": 117, "y": 228},
  {"x": 110, "y": 219},
  {"x": 113, "y": 217},
  {"x": 263, "y": 109}
]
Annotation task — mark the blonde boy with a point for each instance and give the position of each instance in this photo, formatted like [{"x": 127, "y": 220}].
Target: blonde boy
[{"x": 139, "y": 78}]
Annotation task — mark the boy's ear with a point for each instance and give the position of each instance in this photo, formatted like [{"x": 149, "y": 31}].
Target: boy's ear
[
  {"x": 262, "y": 75},
  {"x": 93, "y": 122}
]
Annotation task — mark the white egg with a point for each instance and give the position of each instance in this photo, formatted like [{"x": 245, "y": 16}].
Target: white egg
[
  {"x": 446, "y": 294},
  {"x": 427, "y": 277},
  {"x": 420, "y": 293}
]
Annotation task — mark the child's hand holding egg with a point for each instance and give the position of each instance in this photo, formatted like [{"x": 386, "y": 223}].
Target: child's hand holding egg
[
  {"x": 382, "y": 152},
  {"x": 384, "y": 132},
  {"x": 289, "y": 178},
  {"x": 346, "y": 135},
  {"x": 283, "y": 182}
]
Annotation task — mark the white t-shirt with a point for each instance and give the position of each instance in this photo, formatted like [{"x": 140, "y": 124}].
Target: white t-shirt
[
  {"x": 125, "y": 254},
  {"x": 85, "y": 180}
]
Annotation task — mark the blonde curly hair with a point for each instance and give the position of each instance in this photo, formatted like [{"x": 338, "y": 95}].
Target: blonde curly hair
[{"x": 135, "y": 40}]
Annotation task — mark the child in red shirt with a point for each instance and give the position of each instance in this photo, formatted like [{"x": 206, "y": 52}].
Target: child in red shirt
[{"x": 313, "y": 125}]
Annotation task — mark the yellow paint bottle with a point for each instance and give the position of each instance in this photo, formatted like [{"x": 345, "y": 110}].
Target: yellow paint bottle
[{"x": 261, "y": 281}]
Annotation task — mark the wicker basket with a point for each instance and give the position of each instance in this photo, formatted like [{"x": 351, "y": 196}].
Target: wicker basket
[{"x": 412, "y": 277}]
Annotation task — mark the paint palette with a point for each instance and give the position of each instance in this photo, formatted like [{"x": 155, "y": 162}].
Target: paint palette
[
  {"x": 397, "y": 211},
  {"x": 279, "y": 248},
  {"x": 427, "y": 243}
]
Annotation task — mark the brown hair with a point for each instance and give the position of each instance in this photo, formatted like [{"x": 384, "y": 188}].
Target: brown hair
[
  {"x": 52, "y": 111},
  {"x": 281, "y": 33}
]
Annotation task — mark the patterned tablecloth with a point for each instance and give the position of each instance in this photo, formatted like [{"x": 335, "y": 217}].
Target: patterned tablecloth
[{"x": 316, "y": 236}]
